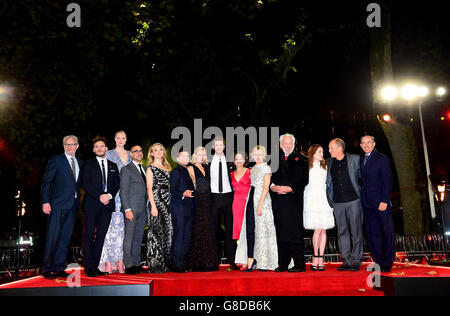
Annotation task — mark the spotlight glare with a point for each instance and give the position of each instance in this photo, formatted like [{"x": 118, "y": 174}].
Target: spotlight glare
[
  {"x": 422, "y": 91},
  {"x": 389, "y": 93},
  {"x": 386, "y": 117},
  {"x": 409, "y": 92},
  {"x": 441, "y": 91}
]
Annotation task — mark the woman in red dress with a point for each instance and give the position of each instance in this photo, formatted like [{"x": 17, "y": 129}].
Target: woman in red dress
[{"x": 240, "y": 180}]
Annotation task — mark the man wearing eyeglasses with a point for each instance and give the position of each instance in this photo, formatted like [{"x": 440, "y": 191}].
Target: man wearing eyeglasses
[
  {"x": 134, "y": 197},
  {"x": 60, "y": 197}
]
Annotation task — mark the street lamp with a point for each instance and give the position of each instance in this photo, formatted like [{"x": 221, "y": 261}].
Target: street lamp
[{"x": 411, "y": 92}]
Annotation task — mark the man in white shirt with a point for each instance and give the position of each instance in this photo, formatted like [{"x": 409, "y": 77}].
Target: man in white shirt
[
  {"x": 222, "y": 199},
  {"x": 101, "y": 181},
  {"x": 60, "y": 200}
]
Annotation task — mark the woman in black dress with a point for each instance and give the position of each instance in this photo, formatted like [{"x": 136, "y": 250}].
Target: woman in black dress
[{"x": 202, "y": 254}]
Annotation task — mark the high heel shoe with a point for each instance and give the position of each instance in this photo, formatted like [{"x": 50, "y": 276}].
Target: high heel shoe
[
  {"x": 321, "y": 268},
  {"x": 313, "y": 267},
  {"x": 253, "y": 267}
]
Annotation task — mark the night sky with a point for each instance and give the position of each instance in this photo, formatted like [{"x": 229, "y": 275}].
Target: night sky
[{"x": 92, "y": 81}]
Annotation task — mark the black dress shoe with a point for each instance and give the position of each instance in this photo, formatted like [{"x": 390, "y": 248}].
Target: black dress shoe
[
  {"x": 90, "y": 273},
  {"x": 297, "y": 269},
  {"x": 131, "y": 270},
  {"x": 100, "y": 273},
  {"x": 48, "y": 275},
  {"x": 179, "y": 269},
  {"x": 344, "y": 267},
  {"x": 233, "y": 266},
  {"x": 281, "y": 269},
  {"x": 355, "y": 268},
  {"x": 62, "y": 274}
]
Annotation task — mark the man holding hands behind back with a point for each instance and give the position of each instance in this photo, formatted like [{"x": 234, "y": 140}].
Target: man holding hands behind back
[{"x": 134, "y": 197}]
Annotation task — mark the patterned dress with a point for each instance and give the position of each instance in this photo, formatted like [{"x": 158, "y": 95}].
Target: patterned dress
[
  {"x": 113, "y": 246},
  {"x": 265, "y": 247},
  {"x": 160, "y": 230}
]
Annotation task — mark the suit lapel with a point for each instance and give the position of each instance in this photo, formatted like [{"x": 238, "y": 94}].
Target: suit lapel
[
  {"x": 351, "y": 169},
  {"x": 69, "y": 167},
  {"x": 137, "y": 172}
]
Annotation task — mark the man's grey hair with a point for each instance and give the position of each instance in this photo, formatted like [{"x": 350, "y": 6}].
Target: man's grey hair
[
  {"x": 69, "y": 137},
  {"x": 371, "y": 137},
  {"x": 287, "y": 135},
  {"x": 339, "y": 142}
]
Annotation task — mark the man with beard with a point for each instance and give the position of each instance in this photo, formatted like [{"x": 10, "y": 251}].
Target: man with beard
[
  {"x": 101, "y": 181},
  {"x": 288, "y": 184}
]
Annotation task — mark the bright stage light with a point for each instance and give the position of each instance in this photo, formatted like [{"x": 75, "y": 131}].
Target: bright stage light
[
  {"x": 422, "y": 91},
  {"x": 386, "y": 117},
  {"x": 441, "y": 91},
  {"x": 409, "y": 92},
  {"x": 389, "y": 93}
]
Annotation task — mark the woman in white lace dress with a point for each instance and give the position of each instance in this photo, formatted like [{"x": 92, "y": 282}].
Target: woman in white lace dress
[
  {"x": 112, "y": 254},
  {"x": 257, "y": 245},
  {"x": 317, "y": 213}
]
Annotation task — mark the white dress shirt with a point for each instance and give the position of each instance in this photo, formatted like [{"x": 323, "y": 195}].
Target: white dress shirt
[
  {"x": 141, "y": 169},
  {"x": 105, "y": 163},
  {"x": 214, "y": 173}
]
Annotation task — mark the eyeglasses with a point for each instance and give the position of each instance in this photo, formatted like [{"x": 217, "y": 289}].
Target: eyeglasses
[
  {"x": 71, "y": 145},
  {"x": 136, "y": 151}
]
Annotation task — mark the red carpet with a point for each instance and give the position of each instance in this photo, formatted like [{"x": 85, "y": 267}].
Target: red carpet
[{"x": 237, "y": 283}]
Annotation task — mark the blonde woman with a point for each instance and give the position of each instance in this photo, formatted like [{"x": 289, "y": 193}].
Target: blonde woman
[
  {"x": 112, "y": 254},
  {"x": 203, "y": 255},
  {"x": 160, "y": 230},
  {"x": 257, "y": 246}
]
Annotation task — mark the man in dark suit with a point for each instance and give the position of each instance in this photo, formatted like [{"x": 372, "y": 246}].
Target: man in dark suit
[
  {"x": 60, "y": 197},
  {"x": 181, "y": 209},
  {"x": 222, "y": 199},
  {"x": 101, "y": 181},
  {"x": 134, "y": 198},
  {"x": 344, "y": 195},
  {"x": 376, "y": 178},
  {"x": 286, "y": 191}
]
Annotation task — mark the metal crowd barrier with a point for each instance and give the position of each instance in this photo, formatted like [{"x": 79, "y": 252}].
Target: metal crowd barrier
[{"x": 413, "y": 247}]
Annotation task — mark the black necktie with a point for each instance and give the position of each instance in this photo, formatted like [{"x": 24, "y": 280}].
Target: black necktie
[
  {"x": 220, "y": 176},
  {"x": 142, "y": 173},
  {"x": 365, "y": 159},
  {"x": 104, "y": 176}
]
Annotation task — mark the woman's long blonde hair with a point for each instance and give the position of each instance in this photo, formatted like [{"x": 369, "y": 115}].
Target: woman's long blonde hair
[
  {"x": 164, "y": 162},
  {"x": 195, "y": 153}
]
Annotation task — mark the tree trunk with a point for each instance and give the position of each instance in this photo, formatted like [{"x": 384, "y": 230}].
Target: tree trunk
[{"x": 399, "y": 135}]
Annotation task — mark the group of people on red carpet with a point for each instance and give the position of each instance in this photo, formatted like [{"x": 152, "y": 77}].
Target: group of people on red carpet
[{"x": 261, "y": 212}]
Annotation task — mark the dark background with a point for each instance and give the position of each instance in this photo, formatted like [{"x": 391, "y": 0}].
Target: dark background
[{"x": 222, "y": 61}]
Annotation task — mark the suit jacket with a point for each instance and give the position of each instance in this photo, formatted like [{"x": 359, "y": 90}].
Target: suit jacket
[
  {"x": 133, "y": 190},
  {"x": 354, "y": 172},
  {"x": 376, "y": 180},
  {"x": 288, "y": 208},
  {"x": 59, "y": 185},
  {"x": 92, "y": 184},
  {"x": 180, "y": 181}
]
